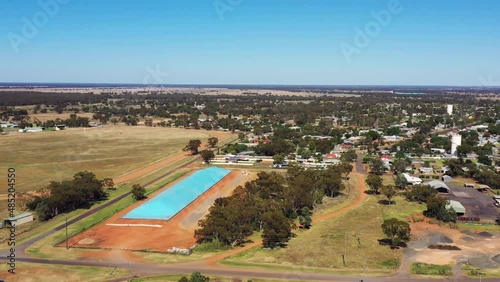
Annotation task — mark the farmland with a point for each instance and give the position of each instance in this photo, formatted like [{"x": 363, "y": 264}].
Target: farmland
[
  {"x": 121, "y": 152},
  {"x": 109, "y": 151}
]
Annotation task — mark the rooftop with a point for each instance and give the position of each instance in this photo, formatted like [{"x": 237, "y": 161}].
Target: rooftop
[
  {"x": 456, "y": 205},
  {"x": 23, "y": 215}
]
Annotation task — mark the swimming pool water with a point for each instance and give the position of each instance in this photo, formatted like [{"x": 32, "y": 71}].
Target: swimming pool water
[{"x": 171, "y": 201}]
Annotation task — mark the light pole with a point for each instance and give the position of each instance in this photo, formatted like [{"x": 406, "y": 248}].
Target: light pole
[{"x": 67, "y": 233}]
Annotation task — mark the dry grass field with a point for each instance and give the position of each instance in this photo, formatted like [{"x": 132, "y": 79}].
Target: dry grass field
[
  {"x": 333, "y": 237},
  {"x": 109, "y": 151},
  {"x": 43, "y": 117}
]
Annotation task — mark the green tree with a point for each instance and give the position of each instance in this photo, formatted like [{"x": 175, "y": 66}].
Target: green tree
[
  {"x": 114, "y": 121},
  {"x": 345, "y": 169},
  {"x": 331, "y": 181},
  {"x": 374, "y": 182},
  {"x": 138, "y": 192},
  {"x": 278, "y": 158},
  {"x": 80, "y": 192},
  {"x": 399, "y": 165},
  {"x": 400, "y": 155},
  {"x": 389, "y": 192},
  {"x": 305, "y": 218},
  {"x": 198, "y": 277},
  {"x": 400, "y": 182},
  {"x": 108, "y": 183},
  {"x": 207, "y": 155},
  {"x": 434, "y": 205},
  {"x": 398, "y": 231},
  {"x": 420, "y": 193},
  {"x": 377, "y": 166},
  {"x": 348, "y": 156},
  {"x": 463, "y": 150},
  {"x": 436, "y": 208},
  {"x": 193, "y": 146},
  {"x": 212, "y": 141},
  {"x": 484, "y": 160},
  {"x": 277, "y": 229}
]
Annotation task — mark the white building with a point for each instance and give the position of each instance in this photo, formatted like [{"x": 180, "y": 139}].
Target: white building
[
  {"x": 456, "y": 140},
  {"x": 412, "y": 180},
  {"x": 31, "y": 129},
  {"x": 449, "y": 109},
  {"x": 426, "y": 170},
  {"x": 438, "y": 150}
]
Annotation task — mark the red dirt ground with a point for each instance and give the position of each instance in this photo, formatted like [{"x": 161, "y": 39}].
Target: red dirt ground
[{"x": 176, "y": 232}]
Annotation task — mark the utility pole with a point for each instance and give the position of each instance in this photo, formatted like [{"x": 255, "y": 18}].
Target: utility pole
[{"x": 67, "y": 233}]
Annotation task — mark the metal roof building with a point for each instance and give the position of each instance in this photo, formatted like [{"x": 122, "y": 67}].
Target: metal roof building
[
  {"x": 18, "y": 219},
  {"x": 446, "y": 178},
  {"x": 439, "y": 186},
  {"x": 457, "y": 206}
]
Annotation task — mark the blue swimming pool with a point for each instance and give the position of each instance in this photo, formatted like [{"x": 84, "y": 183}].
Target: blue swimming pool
[{"x": 171, "y": 201}]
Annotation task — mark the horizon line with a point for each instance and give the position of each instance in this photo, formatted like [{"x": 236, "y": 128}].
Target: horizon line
[{"x": 244, "y": 84}]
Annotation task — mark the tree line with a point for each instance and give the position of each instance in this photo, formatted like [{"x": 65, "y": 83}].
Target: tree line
[
  {"x": 61, "y": 197},
  {"x": 272, "y": 203}
]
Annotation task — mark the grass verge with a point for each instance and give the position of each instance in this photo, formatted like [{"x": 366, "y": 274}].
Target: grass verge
[
  {"x": 50, "y": 273},
  {"x": 475, "y": 272},
  {"x": 431, "y": 269}
]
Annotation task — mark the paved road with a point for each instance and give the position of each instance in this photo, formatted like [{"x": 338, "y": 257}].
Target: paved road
[
  {"x": 359, "y": 165},
  {"x": 142, "y": 269}
]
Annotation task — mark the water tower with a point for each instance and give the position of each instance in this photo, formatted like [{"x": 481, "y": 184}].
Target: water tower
[
  {"x": 456, "y": 140},
  {"x": 449, "y": 109}
]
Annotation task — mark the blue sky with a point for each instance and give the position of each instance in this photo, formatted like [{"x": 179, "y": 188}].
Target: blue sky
[{"x": 425, "y": 42}]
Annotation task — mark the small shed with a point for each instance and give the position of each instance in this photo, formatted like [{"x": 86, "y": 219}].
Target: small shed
[
  {"x": 446, "y": 178},
  {"x": 18, "y": 219},
  {"x": 483, "y": 188},
  {"x": 439, "y": 186},
  {"x": 457, "y": 207}
]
